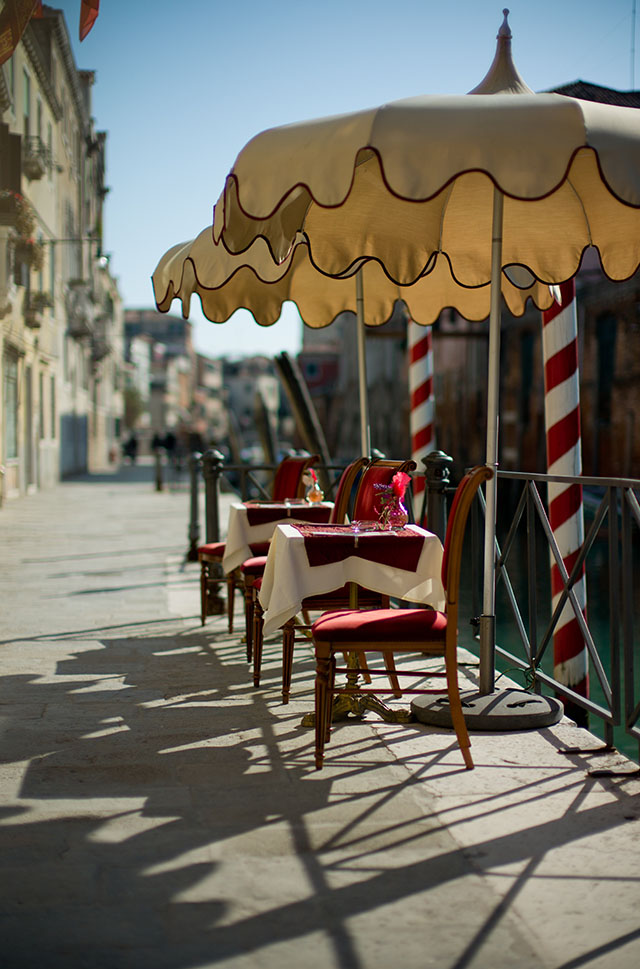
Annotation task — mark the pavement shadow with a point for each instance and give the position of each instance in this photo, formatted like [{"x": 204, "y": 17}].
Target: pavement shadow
[
  {"x": 159, "y": 732},
  {"x": 158, "y": 776},
  {"x": 142, "y": 472}
]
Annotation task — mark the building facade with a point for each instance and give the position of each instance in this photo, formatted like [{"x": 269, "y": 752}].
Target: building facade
[
  {"x": 180, "y": 390},
  {"x": 60, "y": 310}
]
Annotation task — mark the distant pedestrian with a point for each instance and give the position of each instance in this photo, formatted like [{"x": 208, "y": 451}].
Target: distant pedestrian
[
  {"x": 131, "y": 448},
  {"x": 170, "y": 442},
  {"x": 171, "y": 448}
]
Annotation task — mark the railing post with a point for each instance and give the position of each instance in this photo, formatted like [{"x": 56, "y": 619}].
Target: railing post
[
  {"x": 532, "y": 585},
  {"x": 158, "y": 469},
  {"x": 244, "y": 491},
  {"x": 195, "y": 463},
  {"x": 212, "y": 464},
  {"x": 437, "y": 470},
  {"x": 614, "y": 616},
  {"x": 627, "y": 613}
]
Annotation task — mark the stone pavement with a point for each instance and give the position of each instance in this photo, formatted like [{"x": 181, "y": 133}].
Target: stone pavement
[{"x": 158, "y": 812}]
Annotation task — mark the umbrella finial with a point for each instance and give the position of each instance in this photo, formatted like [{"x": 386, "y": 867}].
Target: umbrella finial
[
  {"x": 505, "y": 29},
  {"x": 503, "y": 77}
]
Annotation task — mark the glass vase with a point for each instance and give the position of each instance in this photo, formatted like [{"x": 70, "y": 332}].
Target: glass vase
[
  {"x": 398, "y": 515},
  {"x": 315, "y": 493}
]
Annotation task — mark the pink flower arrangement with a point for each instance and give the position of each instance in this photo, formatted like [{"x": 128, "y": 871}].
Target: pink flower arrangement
[
  {"x": 390, "y": 498},
  {"x": 399, "y": 483}
]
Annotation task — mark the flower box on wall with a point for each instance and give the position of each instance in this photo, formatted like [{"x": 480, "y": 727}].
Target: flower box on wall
[
  {"x": 33, "y": 308},
  {"x": 32, "y": 318},
  {"x": 40, "y": 301},
  {"x": 16, "y": 211},
  {"x": 30, "y": 252}
]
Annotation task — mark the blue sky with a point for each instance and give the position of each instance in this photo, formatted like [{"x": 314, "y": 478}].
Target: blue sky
[{"x": 182, "y": 85}]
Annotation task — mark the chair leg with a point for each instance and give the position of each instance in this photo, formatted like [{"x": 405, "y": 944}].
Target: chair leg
[
  {"x": 231, "y": 591},
  {"x": 466, "y": 756},
  {"x": 257, "y": 641},
  {"x": 204, "y": 583},
  {"x": 322, "y": 705},
  {"x": 288, "y": 643},
  {"x": 390, "y": 666},
  {"x": 457, "y": 716},
  {"x": 248, "y": 617},
  {"x": 330, "y": 695}
]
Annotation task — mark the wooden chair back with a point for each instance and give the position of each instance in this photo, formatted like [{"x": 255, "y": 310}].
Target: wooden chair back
[
  {"x": 456, "y": 526},
  {"x": 379, "y": 471},
  {"x": 342, "y": 499},
  {"x": 288, "y": 482},
  {"x": 391, "y": 631}
]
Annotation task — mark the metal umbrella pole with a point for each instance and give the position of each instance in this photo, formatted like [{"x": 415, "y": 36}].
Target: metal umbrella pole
[
  {"x": 486, "y": 708},
  {"x": 488, "y": 617},
  {"x": 365, "y": 430}
]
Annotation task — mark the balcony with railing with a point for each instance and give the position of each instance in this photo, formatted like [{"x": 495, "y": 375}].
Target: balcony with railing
[
  {"x": 81, "y": 308},
  {"x": 34, "y": 307},
  {"x": 36, "y": 159},
  {"x": 101, "y": 345}
]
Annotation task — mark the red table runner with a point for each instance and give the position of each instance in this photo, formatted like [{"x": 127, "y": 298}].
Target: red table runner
[
  {"x": 262, "y": 514},
  {"x": 327, "y": 545}
]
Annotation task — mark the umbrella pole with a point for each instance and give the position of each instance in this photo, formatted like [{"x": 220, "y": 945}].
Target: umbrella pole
[
  {"x": 488, "y": 617},
  {"x": 365, "y": 431}
]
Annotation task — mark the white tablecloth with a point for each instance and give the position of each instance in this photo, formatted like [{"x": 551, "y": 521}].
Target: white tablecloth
[
  {"x": 288, "y": 577},
  {"x": 241, "y": 535}
]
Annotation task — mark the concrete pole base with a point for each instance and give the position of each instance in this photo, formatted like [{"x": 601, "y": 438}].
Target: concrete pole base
[{"x": 509, "y": 709}]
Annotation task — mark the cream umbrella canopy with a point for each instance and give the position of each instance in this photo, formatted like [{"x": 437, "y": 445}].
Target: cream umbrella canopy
[
  {"x": 417, "y": 177},
  {"x": 225, "y": 283},
  {"x": 505, "y": 179}
]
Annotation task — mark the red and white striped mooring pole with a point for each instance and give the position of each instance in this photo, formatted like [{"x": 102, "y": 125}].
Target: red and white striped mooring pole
[
  {"x": 564, "y": 457},
  {"x": 422, "y": 398}
]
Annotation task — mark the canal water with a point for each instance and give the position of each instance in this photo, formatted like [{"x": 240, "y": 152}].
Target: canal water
[{"x": 598, "y": 612}]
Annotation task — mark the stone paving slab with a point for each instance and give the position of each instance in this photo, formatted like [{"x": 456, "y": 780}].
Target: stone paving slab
[{"x": 158, "y": 812}]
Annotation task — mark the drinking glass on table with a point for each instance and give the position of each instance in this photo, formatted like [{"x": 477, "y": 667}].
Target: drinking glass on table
[{"x": 363, "y": 526}]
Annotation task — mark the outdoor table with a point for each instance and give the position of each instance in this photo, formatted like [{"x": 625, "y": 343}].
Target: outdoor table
[
  {"x": 253, "y": 522},
  {"x": 309, "y": 560}
]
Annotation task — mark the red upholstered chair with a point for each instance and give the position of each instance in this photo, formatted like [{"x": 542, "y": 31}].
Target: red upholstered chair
[
  {"x": 287, "y": 483},
  {"x": 379, "y": 471},
  {"x": 251, "y": 571},
  {"x": 253, "y": 568},
  {"x": 390, "y": 631}
]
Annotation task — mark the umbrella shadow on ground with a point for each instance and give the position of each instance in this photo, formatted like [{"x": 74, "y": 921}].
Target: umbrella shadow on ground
[{"x": 174, "y": 816}]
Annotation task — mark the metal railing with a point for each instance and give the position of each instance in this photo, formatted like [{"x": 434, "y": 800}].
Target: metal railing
[
  {"x": 246, "y": 480},
  {"x": 532, "y": 621},
  {"x": 616, "y": 521}
]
